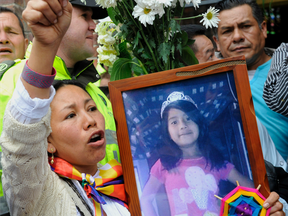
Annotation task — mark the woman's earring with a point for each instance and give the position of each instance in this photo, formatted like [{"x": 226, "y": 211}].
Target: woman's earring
[{"x": 52, "y": 158}]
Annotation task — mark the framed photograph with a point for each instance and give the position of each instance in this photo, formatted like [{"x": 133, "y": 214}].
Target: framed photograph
[{"x": 186, "y": 135}]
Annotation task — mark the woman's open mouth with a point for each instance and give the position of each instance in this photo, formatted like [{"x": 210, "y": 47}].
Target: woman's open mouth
[{"x": 97, "y": 139}]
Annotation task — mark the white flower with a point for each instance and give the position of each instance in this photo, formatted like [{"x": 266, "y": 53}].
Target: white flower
[
  {"x": 169, "y": 34},
  {"x": 166, "y": 3},
  {"x": 106, "y": 50},
  {"x": 105, "y": 33},
  {"x": 106, "y": 39},
  {"x": 107, "y": 60},
  {"x": 174, "y": 3},
  {"x": 149, "y": 3},
  {"x": 181, "y": 3},
  {"x": 107, "y": 55},
  {"x": 186, "y": 1},
  {"x": 145, "y": 13},
  {"x": 103, "y": 27},
  {"x": 195, "y": 3},
  {"x": 106, "y": 3},
  {"x": 210, "y": 18},
  {"x": 160, "y": 11}
]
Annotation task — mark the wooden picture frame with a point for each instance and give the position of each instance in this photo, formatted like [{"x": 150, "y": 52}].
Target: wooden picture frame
[{"x": 221, "y": 91}]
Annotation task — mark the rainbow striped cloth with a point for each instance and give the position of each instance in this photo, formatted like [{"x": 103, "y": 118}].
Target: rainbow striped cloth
[{"x": 109, "y": 182}]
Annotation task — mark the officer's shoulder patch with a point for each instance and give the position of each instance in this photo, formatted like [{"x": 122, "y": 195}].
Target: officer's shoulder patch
[{"x": 4, "y": 66}]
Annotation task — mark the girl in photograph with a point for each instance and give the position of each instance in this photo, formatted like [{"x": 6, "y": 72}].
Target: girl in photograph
[{"x": 189, "y": 167}]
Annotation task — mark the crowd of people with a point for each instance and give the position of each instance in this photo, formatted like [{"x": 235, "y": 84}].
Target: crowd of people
[{"x": 58, "y": 134}]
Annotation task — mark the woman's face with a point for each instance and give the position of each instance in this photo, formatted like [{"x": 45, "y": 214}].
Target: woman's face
[
  {"x": 183, "y": 131},
  {"x": 77, "y": 129}
]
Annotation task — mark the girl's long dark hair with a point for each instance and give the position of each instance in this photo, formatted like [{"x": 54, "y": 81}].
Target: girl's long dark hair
[{"x": 170, "y": 153}]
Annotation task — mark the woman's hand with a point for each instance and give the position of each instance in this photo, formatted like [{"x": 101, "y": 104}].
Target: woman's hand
[
  {"x": 48, "y": 19},
  {"x": 276, "y": 209}
]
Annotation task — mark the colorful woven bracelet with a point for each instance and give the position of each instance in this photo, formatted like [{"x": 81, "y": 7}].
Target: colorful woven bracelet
[{"x": 36, "y": 79}]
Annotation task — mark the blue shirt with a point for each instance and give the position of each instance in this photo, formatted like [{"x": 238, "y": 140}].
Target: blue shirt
[{"x": 276, "y": 124}]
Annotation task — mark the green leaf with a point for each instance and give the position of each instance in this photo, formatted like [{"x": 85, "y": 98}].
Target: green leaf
[
  {"x": 179, "y": 48},
  {"x": 164, "y": 51},
  {"x": 173, "y": 51},
  {"x": 121, "y": 69},
  {"x": 150, "y": 66},
  {"x": 178, "y": 9},
  {"x": 126, "y": 31},
  {"x": 137, "y": 70},
  {"x": 110, "y": 70},
  {"x": 136, "y": 40},
  {"x": 139, "y": 51},
  {"x": 188, "y": 56},
  {"x": 190, "y": 42},
  {"x": 124, "y": 51},
  {"x": 146, "y": 55},
  {"x": 174, "y": 26},
  {"x": 112, "y": 14},
  {"x": 150, "y": 63},
  {"x": 179, "y": 64},
  {"x": 184, "y": 37},
  {"x": 124, "y": 28},
  {"x": 152, "y": 43}
]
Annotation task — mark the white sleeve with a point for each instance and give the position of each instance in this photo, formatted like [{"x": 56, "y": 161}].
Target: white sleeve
[
  {"x": 269, "y": 150},
  {"x": 285, "y": 205},
  {"x": 27, "y": 110}
]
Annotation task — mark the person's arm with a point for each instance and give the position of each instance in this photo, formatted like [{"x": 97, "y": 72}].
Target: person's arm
[
  {"x": 49, "y": 21},
  {"x": 269, "y": 150},
  {"x": 148, "y": 195},
  {"x": 234, "y": 176},
  {"x": 274, "y": 91}
]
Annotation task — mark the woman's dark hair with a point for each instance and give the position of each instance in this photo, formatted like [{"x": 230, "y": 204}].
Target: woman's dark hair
[
  {"x": 170, "y": 153},
  {"x": 57, "y": 84}
]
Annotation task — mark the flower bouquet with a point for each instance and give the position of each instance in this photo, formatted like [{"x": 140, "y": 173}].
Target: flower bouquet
[{"x": 144, "y": 36}]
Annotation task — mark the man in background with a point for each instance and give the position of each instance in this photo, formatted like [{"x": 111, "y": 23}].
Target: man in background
[
  {"x": 275, "y": 164},
  {"x": 242, "y": 30},
  {"x": 13, "y": 43},
  {"x": 202, "y": 47}
]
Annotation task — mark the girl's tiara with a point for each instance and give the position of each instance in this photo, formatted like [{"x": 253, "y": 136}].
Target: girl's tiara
[{"x": 176, "y": 96}]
